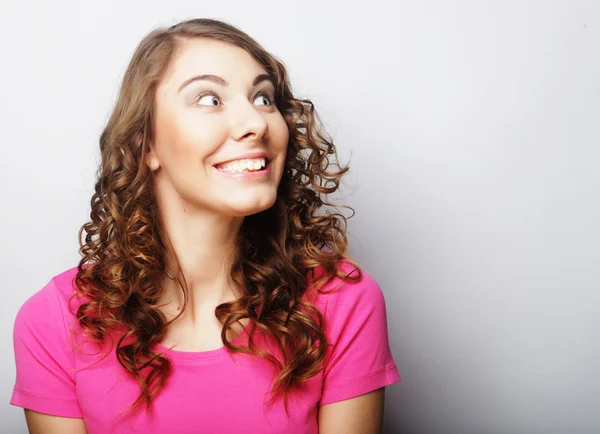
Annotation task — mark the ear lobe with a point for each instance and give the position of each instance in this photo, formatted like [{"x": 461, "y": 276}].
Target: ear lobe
[{"x": 152, "y": 159}]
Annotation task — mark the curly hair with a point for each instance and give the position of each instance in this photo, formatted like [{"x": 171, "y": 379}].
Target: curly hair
[{"x": 279, "y": 250}]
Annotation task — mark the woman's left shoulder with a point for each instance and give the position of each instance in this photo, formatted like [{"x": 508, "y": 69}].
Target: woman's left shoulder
[
  {"x": 358, "y": 282},
  {"x": 353, "y": 286}
]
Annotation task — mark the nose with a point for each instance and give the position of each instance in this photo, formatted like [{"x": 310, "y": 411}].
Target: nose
[{"x": 248, "y": 122}]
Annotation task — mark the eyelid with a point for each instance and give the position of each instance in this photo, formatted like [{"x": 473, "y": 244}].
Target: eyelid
[
  {"x": 206, "y": 93},
  {"x": 270, "y": 95}
]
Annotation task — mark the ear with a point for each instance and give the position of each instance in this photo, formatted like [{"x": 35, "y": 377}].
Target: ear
[{"x": 151, "y": 158}]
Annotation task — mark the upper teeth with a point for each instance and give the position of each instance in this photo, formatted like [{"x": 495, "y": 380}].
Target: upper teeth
[{"x": 241, "y": 165}]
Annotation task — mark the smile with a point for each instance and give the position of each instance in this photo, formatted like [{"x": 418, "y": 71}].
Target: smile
[
  {"x": 245, "y": 165},
  {"x": 245, "y": 168}
]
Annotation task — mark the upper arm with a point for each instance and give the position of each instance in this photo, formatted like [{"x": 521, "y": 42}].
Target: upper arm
[
  {"x": 360, "y": 415},
  {"x": 39, "y": 423}
]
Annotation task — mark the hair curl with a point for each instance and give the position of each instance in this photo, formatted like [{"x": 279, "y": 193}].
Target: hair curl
[{"x": 124, "y": 249}]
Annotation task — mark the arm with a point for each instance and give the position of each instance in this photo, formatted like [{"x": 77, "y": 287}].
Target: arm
[
  {"x": 360, "y": 415},
  {"x": 39, "y": 423}
]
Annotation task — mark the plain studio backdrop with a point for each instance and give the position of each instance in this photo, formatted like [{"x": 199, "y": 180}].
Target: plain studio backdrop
[{"x": 473, "y": 132}]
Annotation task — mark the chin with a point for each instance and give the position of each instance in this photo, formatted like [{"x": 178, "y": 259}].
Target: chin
[{"x": 249, "y": 206}]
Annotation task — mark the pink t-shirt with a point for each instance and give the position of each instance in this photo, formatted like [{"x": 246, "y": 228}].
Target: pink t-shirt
[{"x": 207, "y": 392}]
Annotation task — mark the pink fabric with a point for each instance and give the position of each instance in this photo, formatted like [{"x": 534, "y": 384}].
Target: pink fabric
[{"x": 208, "y": 392}]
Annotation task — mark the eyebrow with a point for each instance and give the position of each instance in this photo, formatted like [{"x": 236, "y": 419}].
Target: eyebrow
[{"x": 218, "y": 80}]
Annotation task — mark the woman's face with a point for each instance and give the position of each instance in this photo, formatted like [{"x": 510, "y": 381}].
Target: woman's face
[{"x": 220, "y": 143}]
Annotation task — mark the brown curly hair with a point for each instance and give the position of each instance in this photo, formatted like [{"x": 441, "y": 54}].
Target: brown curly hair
[{"x": 124, "y": 250}]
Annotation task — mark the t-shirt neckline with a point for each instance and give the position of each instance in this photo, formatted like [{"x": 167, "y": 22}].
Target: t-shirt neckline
[{"x": 202, "y": 355}]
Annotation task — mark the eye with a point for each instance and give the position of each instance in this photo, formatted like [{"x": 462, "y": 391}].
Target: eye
[
  {"x": 209, "y": 100},
  {"x": 265, "y": 98}
]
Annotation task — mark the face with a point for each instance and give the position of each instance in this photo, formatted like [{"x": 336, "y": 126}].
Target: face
[{"x": 220, "y": 142}]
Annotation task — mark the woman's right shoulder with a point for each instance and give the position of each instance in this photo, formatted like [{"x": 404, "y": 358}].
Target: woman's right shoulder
[{"x": 50, "y": 307}]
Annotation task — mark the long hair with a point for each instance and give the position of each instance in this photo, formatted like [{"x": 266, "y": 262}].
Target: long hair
[{"x": 124, "y": 249}]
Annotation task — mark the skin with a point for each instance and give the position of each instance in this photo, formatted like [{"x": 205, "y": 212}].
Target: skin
[
  {"x": 359, "y": 415},
  {"x": 198, "y": 126}
]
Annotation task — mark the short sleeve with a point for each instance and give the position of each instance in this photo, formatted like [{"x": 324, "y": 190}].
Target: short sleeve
[
  {"x": 44, "y": 360},
  {"x": 359, "y": 358}
]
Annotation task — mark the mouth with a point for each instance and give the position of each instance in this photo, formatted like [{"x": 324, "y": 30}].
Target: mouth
[
  {"x": 247, "y": 168},
  {"x": 244, "y": 166}
]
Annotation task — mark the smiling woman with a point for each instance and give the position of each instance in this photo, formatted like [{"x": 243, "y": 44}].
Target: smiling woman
[{"x": 213, "y": 293}]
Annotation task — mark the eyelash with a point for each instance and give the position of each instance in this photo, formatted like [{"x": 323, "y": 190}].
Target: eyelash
[{"x": 269, "y": 96}]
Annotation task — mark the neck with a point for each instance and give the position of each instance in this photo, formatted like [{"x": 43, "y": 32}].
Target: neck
[{"x": 201, "y": 247}]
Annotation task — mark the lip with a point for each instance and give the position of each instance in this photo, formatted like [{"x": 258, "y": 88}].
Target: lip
[{"x": 247, "y": 156}]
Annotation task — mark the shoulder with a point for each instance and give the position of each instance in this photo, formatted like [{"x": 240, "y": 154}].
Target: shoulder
[
  {"x": 48, "y": 309},
  {"x": 65, "y": 287},
  {"x": 355, "y": 284},
  {"x": 355, "y": 289}
]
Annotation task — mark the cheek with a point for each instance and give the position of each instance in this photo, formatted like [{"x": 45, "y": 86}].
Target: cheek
[
  {"x": 280, "y": 134},
  {"x": 193, "y": 139},
  {"x": 279, "y": 141}
]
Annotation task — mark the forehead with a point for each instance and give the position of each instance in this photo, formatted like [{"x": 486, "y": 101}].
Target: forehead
[{"x": 208, "y": 56}]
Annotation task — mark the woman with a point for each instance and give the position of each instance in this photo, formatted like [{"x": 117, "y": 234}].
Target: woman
[{"x": 213, "y": 294}]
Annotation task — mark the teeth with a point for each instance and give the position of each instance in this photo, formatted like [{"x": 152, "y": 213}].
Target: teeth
[{"x": 244, "y": 165}]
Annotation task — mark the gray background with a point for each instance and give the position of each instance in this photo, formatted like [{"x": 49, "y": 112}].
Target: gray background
[{"x": 473, "y": 133}]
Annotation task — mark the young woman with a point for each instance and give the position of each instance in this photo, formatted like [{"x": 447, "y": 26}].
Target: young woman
[{"x": 213, "y": 295}]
